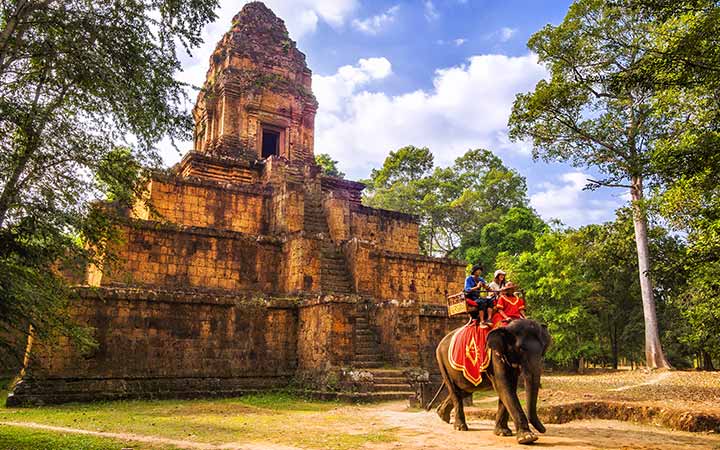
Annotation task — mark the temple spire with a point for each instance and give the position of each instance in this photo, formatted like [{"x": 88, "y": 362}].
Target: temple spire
[{"x": 257, "y": 98}]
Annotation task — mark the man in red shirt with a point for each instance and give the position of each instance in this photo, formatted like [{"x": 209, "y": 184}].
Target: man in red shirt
[{"x": 509, "y": 306}]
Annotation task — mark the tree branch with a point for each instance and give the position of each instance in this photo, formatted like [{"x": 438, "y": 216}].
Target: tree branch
[{"x": 606, "y": 184}]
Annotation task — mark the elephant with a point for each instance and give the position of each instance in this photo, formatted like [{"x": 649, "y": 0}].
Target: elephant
[{"x": 518, "y": 347}]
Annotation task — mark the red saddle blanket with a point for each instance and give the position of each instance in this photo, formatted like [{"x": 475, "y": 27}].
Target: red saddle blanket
[{"x": 467, "y": 352}]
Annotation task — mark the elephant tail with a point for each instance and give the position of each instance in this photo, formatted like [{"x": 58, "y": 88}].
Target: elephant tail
[{"x": 428, "y": 407}]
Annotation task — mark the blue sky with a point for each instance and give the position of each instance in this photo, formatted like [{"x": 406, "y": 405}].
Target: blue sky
[{"x": 435, "y": 73}]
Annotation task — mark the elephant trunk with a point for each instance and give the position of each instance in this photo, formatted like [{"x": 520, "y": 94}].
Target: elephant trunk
[{"x": 532, "y": 386}]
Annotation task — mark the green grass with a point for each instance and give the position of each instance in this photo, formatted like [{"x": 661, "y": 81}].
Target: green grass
[
  {"x": 19, "y": 438},
  {"x": 276, "y": 418},
  {"x": 4, "y": 389}
]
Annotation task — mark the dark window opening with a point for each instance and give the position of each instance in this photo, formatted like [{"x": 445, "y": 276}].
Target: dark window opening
[{"x": 270, "y": 143}]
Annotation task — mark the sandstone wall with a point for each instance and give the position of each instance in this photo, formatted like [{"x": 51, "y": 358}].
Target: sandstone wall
[
  {"x": 390, "y": 231},
  {"x": 387, "y": 230},
  {"x": 388, "y": 275},
  {"x": 409, "y": 333},
  {"x": 301, "y": 265},
  {"x": 165, "y": 257},
  {"x": 206, "y": 204},
  {"x": 167, "y": 344},
  {"x": 219, "y": 169},
  {"x": 325, "y": 337}
]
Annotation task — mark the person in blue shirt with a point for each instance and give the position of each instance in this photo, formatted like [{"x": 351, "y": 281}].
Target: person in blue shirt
[{"x": 473, "y": 284}]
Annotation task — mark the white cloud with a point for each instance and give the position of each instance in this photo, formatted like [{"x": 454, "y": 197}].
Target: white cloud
[
  {"x": 468, "y": 107},
  {"x": 375, "y": 24},
  {"x": 456, "y": 42},
  {"x": 333, "y": 91},
  {"x": 431, "y": 13},
  {"x": 506, "y": 33},
  {"x": 568, "y": 202}
]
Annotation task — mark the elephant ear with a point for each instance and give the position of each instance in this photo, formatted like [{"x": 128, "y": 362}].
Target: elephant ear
[
  {"x": 500, "y": 340},
  {"x": 545, "y": 338}
]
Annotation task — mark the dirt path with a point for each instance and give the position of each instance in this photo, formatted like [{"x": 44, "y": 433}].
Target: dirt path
[
  {"x": 415, "y": 430},
  {"x": 655, "y": 380},
  {"x": 424, "y": 430}
]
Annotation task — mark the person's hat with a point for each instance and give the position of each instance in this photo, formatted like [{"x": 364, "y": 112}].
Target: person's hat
[
  {"x": 499, "y": 272},
  {"x": 509, "y": 288},
  {"x": 475, "y": 268}
]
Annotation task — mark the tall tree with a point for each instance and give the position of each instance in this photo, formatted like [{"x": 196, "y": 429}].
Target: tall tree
[
  {"x": 592, "y": 114},
  {"x": 76, "y": 78},
  {"x": 684, "y": 67}
]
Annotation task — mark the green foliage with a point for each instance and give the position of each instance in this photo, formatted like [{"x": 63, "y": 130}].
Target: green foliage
[
  {"x": 328, "y": 165},
  {"x": 584, "y": 283},
  {"x": 75, "y": 78},
  {"x": 514, "y": 232},
  {"x": 694, "y": 208},
  {"x": 452, "y": 202},
  {"x": 588, "y": 113},
  {"x": 557, "y": 294},
  {"x": 403, "y": 166}
]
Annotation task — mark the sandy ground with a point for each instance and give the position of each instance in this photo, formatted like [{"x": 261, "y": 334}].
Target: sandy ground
[{"x": 424, "y": 430}]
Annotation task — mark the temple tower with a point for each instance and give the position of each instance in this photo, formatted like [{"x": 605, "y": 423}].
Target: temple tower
[{"x": 257, "y": 99}]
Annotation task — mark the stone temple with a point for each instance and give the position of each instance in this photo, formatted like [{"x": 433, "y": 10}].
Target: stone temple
[{"x": 246, "y": 268}]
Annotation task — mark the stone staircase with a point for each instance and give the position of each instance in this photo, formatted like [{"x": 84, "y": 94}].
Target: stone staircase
[
  {"x": 389, "y": 384},
  {"x": 367, "y": 349},
  {"x": 314, "y": 219},
  {"x": 334, "y": 276}
]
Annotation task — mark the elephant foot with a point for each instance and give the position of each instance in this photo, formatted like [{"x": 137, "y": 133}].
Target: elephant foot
[
  {"x": 443, "y": 411},
  {"x": 461, "y": 426},
  {"x": 538, "y": 425},
  {"x": 499, "y": 431},
  {"x": 526, "y": 437}
]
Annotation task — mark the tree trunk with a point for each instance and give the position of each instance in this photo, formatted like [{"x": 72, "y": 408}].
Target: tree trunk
[
  {"x": 654, "y": 356},
  {"x": 615, "y": 347},
  {"x": 707, "y": 363}
]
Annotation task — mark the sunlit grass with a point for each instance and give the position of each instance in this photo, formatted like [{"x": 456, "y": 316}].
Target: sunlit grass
[
  {"x": 20, "y": 438},
  {"x": 279, "y": 418}
]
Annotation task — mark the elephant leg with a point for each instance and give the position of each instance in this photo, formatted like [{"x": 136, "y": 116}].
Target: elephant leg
[
  {"x": 501, "y": 421},
  {"x": 505, "y": 383},
  {"x": 444, "y": 409},
  {"x": 455, "y": 396}
]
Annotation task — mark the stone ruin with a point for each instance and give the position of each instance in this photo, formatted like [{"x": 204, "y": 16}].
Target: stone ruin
[{"x": 247, "y": 268}]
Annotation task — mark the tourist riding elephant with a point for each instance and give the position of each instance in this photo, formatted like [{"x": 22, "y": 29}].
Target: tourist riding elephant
[{"x": 518, "y": 347}]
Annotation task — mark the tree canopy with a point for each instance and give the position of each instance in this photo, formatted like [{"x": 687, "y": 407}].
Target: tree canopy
[
  {"x": 452, "y": 202},
  {"x": 86, "y": 91}
]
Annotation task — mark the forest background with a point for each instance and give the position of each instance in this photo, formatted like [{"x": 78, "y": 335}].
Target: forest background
[{"x": 633, "y": 93}]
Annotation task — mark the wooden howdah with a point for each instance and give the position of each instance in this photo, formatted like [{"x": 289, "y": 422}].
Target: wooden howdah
[{"x": 456, "y": 304}]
